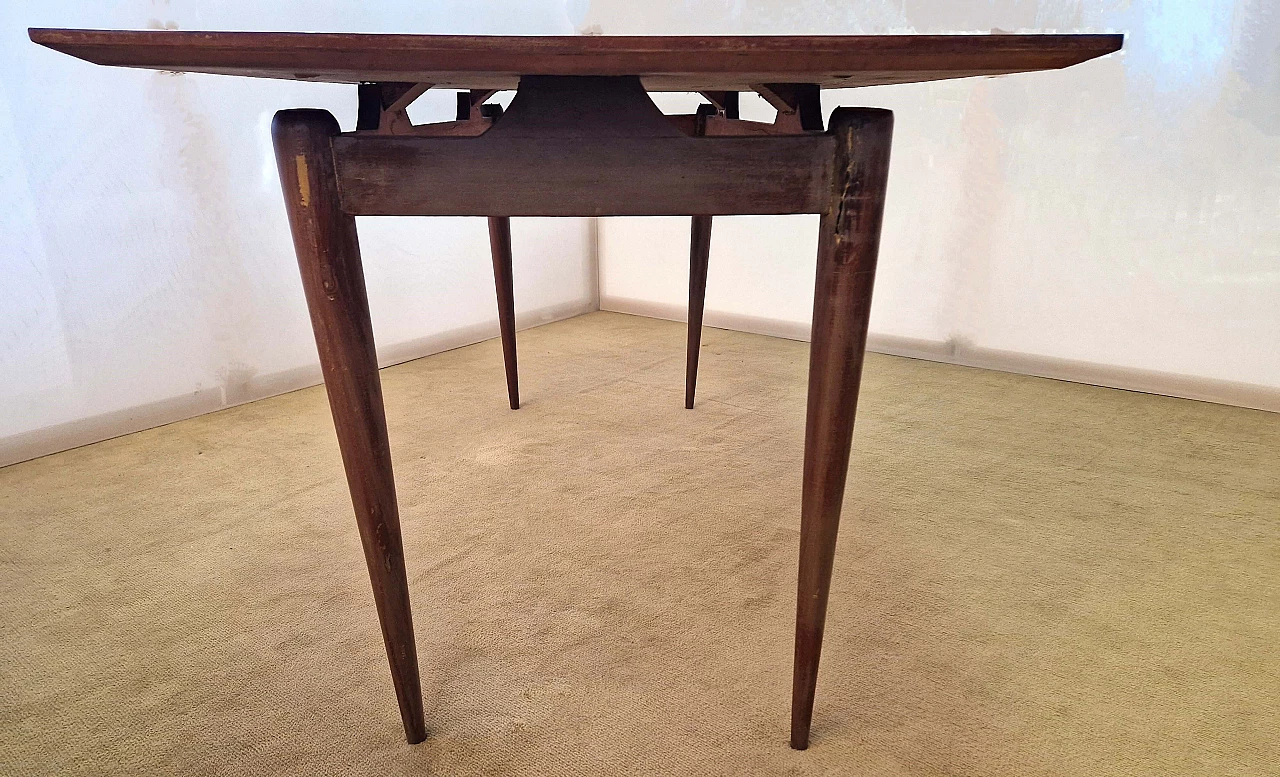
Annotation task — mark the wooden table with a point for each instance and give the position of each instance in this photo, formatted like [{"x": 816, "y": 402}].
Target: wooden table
[{"x": 582, "y": 138}]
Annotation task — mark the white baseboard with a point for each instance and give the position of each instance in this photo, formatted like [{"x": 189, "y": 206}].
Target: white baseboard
[
  {"x": 959, "y": 352},
  {"x": 73, "y": 434},
  {"x": 82, "y": 431}
]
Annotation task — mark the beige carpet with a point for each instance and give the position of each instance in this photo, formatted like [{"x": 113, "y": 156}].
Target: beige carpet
[{"x": 1034, "y": 578}]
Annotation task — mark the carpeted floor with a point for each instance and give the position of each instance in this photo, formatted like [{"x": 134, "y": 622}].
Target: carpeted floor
[{"x": 1034, "y": 578}]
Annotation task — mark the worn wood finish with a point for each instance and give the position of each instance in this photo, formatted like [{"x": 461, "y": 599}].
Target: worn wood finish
[
  {"x": 333, "y": 280},
  {"x": 666, "y": 63},
  {"x": 848, "y": 242},
  {"x": 500, "y": 247}
]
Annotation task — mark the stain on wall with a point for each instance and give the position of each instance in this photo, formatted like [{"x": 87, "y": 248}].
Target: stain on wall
[{"x": 149, "y": 271}]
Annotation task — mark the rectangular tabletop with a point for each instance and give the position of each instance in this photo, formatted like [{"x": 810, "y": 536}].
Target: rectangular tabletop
[{"x": 664, "y": 63}]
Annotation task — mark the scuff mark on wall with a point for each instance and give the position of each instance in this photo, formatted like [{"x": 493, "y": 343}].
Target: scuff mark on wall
[
  {"x": 980, "y": 214},
  {"x": 225, "y": 300},
  {"x": 236, "y": 382},
  {"x": 1254, "y": 92},
  {"x": 157, "y": 277}
]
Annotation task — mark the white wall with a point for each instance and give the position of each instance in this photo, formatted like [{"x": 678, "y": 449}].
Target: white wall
[
  {"x": 1117, "y": 222},
  {"x": 146, "y": 264}
]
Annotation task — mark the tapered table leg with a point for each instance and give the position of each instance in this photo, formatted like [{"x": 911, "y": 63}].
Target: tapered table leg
[
  {"x": 699, "y": 256},
  {"x": 847, "y": 247},
  {"x": 329, "y": 259},
  {"x": 500, "y": 247}
]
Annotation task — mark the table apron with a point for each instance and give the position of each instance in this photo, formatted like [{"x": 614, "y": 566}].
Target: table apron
[{"x": 596, "y": 176}]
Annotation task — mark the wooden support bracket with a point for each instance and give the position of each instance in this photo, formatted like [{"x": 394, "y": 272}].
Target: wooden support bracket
[
  {"x": 799, "y": 105},
  {"x": 726, "y": 103},
  {"x": 384, "y": 106},
  {"x": 799, "y": 112},
  {"x": 384, "y": 111},
  {"x": 471, "y": 105}
]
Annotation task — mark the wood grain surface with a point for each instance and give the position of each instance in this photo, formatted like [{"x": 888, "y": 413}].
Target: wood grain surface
[{"x": 665, "y": 63}]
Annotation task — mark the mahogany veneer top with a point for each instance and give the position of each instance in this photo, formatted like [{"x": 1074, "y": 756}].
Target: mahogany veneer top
[{"x": 666, "y": 63}]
